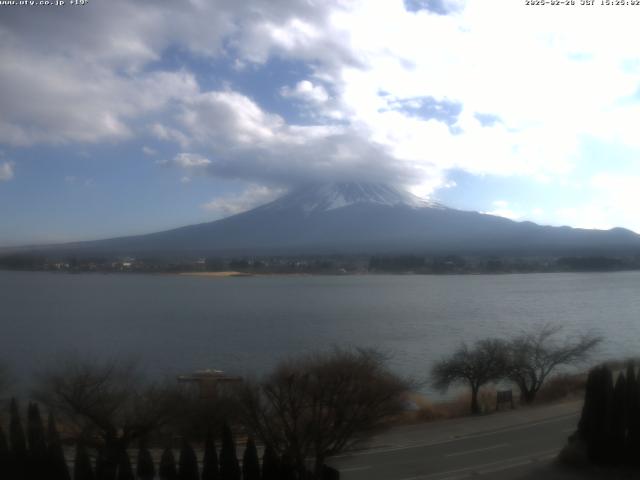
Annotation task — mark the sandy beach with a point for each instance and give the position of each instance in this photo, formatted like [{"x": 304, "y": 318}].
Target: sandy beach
[{"x": 217, "y": 274}]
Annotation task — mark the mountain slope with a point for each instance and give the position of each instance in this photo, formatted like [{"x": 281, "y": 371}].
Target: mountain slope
[{"x": 360, "y": 218}]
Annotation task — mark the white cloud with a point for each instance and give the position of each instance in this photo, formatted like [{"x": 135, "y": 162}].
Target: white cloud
[
  {"x": 191, "y": 160},
  {"x": 613, "y": 201},
  {"x": 253, "y": 196},
  {"x": 96, "y": 87},
  {"x": 502, "y": 209},
  {"x": 307, "y": 91},
  {"x": 251, "y": 144},
  {"x": 70, "y": 101},
  {"x": 462, "y": 57},
  {"x": 6, "y": 171},
  {"x": 187, "y": 161},
  {"x": 533, "y": 69},
  {"x": 148, "y": 150},
  {"x": 537, "y": 212},
  {"x": 228, "y": 117}
]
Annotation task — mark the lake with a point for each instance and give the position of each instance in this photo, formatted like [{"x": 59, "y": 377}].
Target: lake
[{"x": 244, "y": 325}]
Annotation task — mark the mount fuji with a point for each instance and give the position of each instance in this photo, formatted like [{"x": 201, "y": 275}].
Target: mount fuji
[{"x": 360, "y": 218}]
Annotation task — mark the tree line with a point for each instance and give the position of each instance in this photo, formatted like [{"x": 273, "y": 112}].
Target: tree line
[
  {"x": 307, "y": 410},
  {"x": 38, "y": 454},
  {"x": 526, "y": 360}
]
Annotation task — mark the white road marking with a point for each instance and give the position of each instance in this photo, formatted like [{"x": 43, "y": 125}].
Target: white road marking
[
  {"x": 375, "y": 451},
  {"x": 355, "y": 469},
  {"x": 476, "y": 450},
  {"x": 490, "y": 467},
  {"x": 536, "y": 459}
]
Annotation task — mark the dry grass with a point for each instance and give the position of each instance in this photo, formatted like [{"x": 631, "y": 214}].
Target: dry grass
[
  {"x": 556, "y": 389},
  {"x": 562, "y": 387},
  {"x": 459, "y": 406}
]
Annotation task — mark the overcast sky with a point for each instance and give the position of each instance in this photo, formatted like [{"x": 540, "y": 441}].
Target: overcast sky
[{"x": 121, "y": 117}]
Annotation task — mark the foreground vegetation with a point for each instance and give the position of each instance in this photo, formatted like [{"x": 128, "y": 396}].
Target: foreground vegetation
[
  {"x": 305, "y": 411},
  {"x": 39, "y": 455},
  {"x": 608, "y": 432},
  {"x": 526, "y": 360}
]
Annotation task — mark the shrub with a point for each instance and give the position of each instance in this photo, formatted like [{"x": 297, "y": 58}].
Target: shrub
[
  {"x": 250, "y": 462},
  {"x": 210, "y": 468},
  {"x": 188, "y": 463}
]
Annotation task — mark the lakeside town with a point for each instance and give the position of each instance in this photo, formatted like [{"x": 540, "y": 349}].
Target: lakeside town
[{"x": 327, "y": 264}]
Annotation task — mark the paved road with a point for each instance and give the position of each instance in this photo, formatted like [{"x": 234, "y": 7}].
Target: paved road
[{"x": 499, "y": 446}]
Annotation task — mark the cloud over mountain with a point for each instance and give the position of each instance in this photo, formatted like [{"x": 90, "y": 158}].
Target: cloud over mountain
[
  {"x": 103, "y": 85},
  {"x": 283, "y": 92}
]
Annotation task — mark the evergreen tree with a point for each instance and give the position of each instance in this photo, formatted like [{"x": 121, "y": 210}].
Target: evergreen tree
[
  {"x": 270, "y": 464},
  {"x": 106, "y": 468},
  {"x": 82, "y": 469},
  {"x": 35, "y": 432},
  {"x": 630, "y": 376},
  {"x": 329, "y": 473},
  {"x": 589, "y": 424},
  {"x": 619, "y": 421},
  {"x": 210, "y": 468},
  {"x": 188, "y": 463},
  {"x": 99, "y": 463},
  {"x": 250, "y": 462},
  {"x": 125, "y": 471},
  {"x": 167, "y": 469},
  {"x": 586, "y": 424},
  {"x": 229, "y": 467},
  {"x": 145, "y": 469},
  {"x": 607, "y": 428},
  {"x": 107, "y": 462},
  {"x": 600, "y": 431},
  {"x": 16, "y": 432},
  {"x": 633, "y": 441},
  {"x": 18, "y": 443},
  {"x": 633, "y": 417},
  {"x": 287, "y": 469},
  {"x": 5, "y": 455},
  {"x": 38, "y": 467},
  {"x": 57, "y": 463}
]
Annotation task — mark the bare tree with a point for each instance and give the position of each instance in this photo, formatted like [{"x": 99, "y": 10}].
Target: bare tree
[
  {"x": 320, "y": 405},
  {"x": 199, "y": 415},
  {"x": 535, "y": 355},
  {"x": 475, "y": 366},
  {"x": 108, "y": 400}
]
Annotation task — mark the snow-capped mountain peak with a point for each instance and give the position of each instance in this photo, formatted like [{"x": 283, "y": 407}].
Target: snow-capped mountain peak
[{"x": 332, "y": 196}]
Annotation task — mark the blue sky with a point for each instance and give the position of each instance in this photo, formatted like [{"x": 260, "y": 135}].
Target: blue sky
[{"x": 128, "y": 117}]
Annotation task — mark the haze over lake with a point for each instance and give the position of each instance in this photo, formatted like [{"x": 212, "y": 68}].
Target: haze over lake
[{"x": 176, "y": 324}]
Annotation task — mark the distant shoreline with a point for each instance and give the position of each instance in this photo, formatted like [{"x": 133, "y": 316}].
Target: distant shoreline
[
  {"x": 230, "y": 273},
  {"x": 233, "y": 273}
]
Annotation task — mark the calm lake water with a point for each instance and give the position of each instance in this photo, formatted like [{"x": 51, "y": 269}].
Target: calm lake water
[{"x": 176, "y": 324}]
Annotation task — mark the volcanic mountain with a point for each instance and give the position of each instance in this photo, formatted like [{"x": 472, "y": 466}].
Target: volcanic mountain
[{"x": 361, "y": 218}]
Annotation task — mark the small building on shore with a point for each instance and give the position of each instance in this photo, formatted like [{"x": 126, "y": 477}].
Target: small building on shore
[{"x": 209, "y": 381}]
